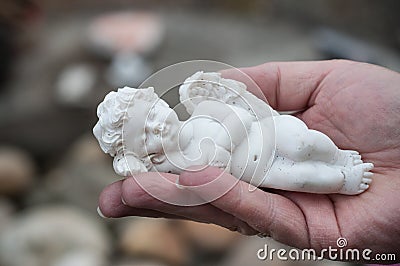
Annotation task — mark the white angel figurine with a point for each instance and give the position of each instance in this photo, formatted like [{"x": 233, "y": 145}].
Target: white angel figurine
[{"x": 229, "y": 128}]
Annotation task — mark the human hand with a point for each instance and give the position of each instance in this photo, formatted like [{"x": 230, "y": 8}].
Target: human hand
[{"x": 358, "y": 106}]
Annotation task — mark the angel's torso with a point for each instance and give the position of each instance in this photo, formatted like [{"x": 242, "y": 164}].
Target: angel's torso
[{"x": 238, "y": 141}]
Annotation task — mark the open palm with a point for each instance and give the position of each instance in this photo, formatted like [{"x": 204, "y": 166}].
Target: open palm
[{"x": 358, "y": 106}]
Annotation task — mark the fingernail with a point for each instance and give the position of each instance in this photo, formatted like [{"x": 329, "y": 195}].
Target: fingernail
[
  {"x": 178, "y": 185},
  {"x": 123, "y": 201},
  {"x": 252, "y": 188},
  {"x": 100, "y": 213}
]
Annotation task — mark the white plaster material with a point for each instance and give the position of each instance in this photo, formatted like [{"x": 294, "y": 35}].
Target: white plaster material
[{"x": 229, "y": 128}]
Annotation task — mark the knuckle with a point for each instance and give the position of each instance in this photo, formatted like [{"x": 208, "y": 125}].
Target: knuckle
[
  {"x": 133, "y": 195},
  {"x": 242, "y": 227}
]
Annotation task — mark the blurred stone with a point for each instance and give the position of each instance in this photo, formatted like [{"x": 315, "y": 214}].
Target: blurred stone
[
  {"x": 153, "y": 238},
  {"x": 127, "y": 31},
  {"x": 16, "y": 171},
  {"x": 75, "y": 85},
  {"x": 81, "y": 258},
  {"x": 7, "y": 210},
  {"x": 138, "y": 263},
  {"x": 80, "y": 177},
  {"x": 245, "y": 253},
  {"x": 128, "y": 69},
  {"x": 86, "y": 150},
  {"x": 333, "y": 44},
  {"x": 210, "y": 237},
  {"x": 54, "y": 235}
]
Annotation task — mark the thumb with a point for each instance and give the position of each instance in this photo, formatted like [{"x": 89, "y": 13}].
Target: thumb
[{"x": 287, "y": 86}]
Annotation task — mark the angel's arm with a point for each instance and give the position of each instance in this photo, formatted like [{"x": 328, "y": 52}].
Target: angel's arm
[
  {"x": 235, "y": 125},
  {"x": 221, "y": 159},
  {"x": 235, "y": 122},
  {"x": 127, "y": 165}
]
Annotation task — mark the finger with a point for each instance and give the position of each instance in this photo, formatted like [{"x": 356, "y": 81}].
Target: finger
[
  {"x": 111, "y": 205},
  {"x": 319, "y": 212},
  {"x": 286, "y": 85},
  {"x": 135, "y": 194},
  {"x": 265, "y": 212}
]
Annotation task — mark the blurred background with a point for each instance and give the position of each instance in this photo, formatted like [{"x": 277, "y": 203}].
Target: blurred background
[{"x": 58, "y": 60}]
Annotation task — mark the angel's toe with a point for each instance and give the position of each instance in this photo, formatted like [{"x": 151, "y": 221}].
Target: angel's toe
[
  {"x": 368, "y": 174},
  {"x": 368, "y": 166},
  {"x": 356, "y": 162},
  {"x": 367, "y": 180}
]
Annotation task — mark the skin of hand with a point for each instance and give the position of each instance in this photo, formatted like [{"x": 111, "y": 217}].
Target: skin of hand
[{"x": 358, "y": 106}]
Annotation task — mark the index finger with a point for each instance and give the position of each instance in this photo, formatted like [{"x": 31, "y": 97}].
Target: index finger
[{"x": 265, "y": 212}]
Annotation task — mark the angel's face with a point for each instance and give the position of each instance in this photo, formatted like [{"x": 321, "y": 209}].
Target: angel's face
[
  {"x": 151, "y": 129},
  {"x": 161, "y": 129}
]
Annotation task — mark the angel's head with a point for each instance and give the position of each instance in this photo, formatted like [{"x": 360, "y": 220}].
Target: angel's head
[{"x": 134, "y": 126}]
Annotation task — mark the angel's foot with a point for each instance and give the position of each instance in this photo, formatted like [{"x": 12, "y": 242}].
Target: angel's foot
[
  {"x": 348, "y": 158},
  {"x": 356, "y": 178}
]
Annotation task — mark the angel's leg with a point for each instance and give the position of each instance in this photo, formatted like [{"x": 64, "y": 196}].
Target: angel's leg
[
  {"x": 295, "y": 141},
  {"x": 317, "y": 162},
  {"x": 311, "y": 176}
]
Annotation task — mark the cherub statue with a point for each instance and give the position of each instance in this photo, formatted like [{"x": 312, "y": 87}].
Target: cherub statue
[{"x": 229, "y": 128}]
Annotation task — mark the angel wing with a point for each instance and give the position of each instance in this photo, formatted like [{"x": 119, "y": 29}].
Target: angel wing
[{"x": 210, "y": 86}]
